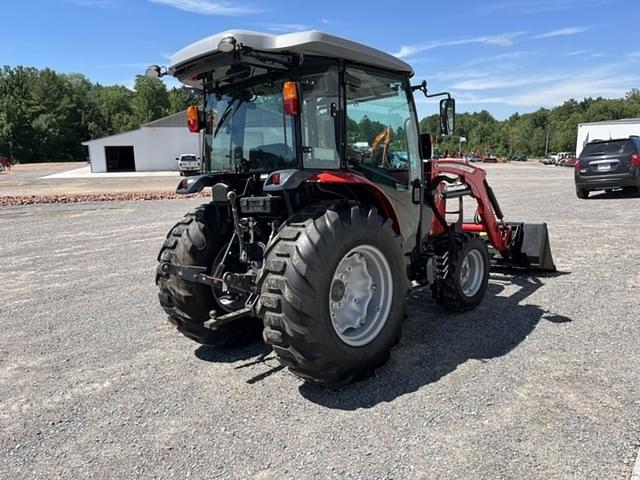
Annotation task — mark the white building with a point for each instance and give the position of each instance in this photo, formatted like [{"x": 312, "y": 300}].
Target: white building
[
  {"x": 154, "y": 146},
  {"x": 610, "y": 129}
]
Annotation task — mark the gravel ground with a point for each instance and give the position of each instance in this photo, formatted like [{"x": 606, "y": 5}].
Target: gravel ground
[{"x": 541, "y": 381}]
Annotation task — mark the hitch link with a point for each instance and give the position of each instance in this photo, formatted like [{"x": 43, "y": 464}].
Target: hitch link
[{"x": 231, "y": 197}]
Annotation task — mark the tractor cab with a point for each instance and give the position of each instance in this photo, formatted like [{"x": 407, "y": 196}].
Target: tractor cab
[
  {"x": 306, "y": 103},
  {"x": 325, "y": 204}
]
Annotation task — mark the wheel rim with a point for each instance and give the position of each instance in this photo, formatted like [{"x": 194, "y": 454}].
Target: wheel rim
[
  {"x": 360, "y": 295},
  {"x": 472, "y": 273}
]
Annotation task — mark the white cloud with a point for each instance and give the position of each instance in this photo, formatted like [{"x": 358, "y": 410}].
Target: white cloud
[
  {"x": 599, "y": 84},
  {"x": 516, "y": 55},
  {"x": 209, "y": 7},
  {"x": 541, "y": 6},
  {"x": 503, "y": 40},
  {"x": 458, "y": 74},
  {"x": 284, "y": 27},
  {"x": 504, "y": 82},
  {"x": 562, "y": 32},
  {"x": 576, "y": 53}
]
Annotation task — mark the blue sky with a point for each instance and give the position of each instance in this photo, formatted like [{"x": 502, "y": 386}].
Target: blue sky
[{"x": 504, "y": 56}]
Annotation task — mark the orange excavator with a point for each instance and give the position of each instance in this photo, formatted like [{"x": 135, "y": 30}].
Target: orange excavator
[{"x": 383, "y": 138}]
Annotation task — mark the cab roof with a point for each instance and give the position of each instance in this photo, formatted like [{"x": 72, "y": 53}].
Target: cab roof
[{"x": 310, "y": 42}]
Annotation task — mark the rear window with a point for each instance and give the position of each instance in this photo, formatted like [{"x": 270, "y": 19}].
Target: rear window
[
  {"x": 188, "y": 158},
  {"x": 616, "y": 147}
]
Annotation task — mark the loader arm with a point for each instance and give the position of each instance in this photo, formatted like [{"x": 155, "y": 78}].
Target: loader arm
[
  {"x": 523, "y": 245},
  {"x": 488, "y": 210}
]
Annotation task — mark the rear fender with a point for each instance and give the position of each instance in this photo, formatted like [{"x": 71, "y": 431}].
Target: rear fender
[
  {"x": 195, "y": 184},
  {"x": 381, "y": 201}
]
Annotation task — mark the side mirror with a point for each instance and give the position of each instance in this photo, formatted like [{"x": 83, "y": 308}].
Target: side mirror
[
  {"x": 426, "y": 148},
  {"x": 153, "y": 71},
  {"x": 447, "y": 116}
]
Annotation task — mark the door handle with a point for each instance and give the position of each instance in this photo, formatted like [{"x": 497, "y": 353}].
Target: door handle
[{"x": 416, "y": 191}]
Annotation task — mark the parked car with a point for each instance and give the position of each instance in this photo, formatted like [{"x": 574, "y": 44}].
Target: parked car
[
  {"x": 569, "y": 162},
  {"x": 518, "y": 158},
  {"x": 561, "y": 158},
  {"x": 607, "y": 165},
  {"x": 471, "y": 158},
  {"x": 189, "y": 164}
]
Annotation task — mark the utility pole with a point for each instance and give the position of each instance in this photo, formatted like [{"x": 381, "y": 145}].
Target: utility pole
[
  {"x": 461, "y": 141},
  {"x": 546, "y": 143}
]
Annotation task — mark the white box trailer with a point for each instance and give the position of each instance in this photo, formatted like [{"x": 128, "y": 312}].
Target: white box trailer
[{"x": 609, "y": 129}]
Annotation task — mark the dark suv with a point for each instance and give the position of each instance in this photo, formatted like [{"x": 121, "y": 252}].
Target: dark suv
[{"x": 608, "y": 164}]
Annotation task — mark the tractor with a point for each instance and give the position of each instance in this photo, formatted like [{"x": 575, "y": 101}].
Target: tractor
[{"x": 326, "y": 207}]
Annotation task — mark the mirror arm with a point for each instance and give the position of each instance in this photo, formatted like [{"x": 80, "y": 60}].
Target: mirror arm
[
  {"x": 440, "y": 94},
  {"x": 422, "y": 86}
]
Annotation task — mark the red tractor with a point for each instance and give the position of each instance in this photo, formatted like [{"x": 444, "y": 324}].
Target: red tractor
[{"x": 308, "y": 240}]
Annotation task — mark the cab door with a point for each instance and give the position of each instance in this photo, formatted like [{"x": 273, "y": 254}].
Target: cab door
[{"x": 382, "y": 139}]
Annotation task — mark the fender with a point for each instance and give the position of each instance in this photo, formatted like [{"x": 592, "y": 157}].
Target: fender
[{"x": 341, "y": 177}]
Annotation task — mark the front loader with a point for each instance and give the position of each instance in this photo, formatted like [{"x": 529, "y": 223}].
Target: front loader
[{"x": 326, "y": 206}]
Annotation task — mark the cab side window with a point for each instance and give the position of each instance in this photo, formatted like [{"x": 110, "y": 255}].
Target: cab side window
[
  {"x": 380, "y": 126},
  {"x": 319, "y": 118}
]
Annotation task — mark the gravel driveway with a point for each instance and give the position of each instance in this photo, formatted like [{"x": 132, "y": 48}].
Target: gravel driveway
[{"x": 541, "y": 381}]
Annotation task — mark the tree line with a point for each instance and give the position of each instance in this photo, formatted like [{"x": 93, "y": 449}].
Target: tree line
[
  {"x": 532, "y": 134},
  {"x": 45, "y": 116}
]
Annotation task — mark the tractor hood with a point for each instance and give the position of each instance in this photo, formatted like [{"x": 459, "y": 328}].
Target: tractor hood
[{"x": 204, "y": 54}]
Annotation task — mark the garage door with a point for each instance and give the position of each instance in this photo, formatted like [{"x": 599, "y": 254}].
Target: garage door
[{"x": 120, "y": 159}]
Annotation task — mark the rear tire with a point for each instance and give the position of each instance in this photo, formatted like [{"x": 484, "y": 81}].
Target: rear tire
[
  {"x": 300, "y": 291},
  {"x": 197, "y": 240},
  {"x": 467, "y": 276},
  {"x": 582, "y": 193}
]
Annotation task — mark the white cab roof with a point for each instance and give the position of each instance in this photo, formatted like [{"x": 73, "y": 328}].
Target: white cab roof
[{"x": 310, "y": 42}]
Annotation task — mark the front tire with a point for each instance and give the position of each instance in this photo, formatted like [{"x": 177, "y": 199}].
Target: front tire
[
  {"x": 582, "y": 193},
  {"x": 466, "y": 272},
  {"x": 322, "y": 257},
  {"x": 198, "y": 240}
]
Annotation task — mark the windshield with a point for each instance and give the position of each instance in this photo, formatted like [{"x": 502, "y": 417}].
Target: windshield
[
  {"x": 614, "y": 147},
  {"x": 247, "y": 130}
]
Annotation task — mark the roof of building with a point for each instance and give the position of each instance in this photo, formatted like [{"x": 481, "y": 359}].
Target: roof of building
[
  {"x": 622, "y": 121},
  {"x": 310, "y": 42},
  {"x": 175, "y": 120},
  {"x": 178, "y": 119}
]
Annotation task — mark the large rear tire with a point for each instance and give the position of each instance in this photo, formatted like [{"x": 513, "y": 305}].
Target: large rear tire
[
  {"x": 333, "y": 293},
  {"x": 198, "y": 240},
  {"x": 467, "y": 272}
]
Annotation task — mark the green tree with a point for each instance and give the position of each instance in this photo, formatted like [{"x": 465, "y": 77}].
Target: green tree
[
  {"x": 151, "y": 100},
  {"x": 181, "y": 98}
]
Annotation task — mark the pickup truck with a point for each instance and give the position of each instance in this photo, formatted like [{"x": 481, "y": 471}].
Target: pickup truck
[{"x": 189, "y": 164}]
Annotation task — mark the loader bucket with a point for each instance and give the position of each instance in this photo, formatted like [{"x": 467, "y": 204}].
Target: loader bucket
[{"x": 530, "y": 248}]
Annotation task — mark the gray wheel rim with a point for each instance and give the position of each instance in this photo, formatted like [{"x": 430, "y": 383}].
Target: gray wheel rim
[
  {"x": 472, "y": 273},
  {"x": 360, "y": 296}
]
